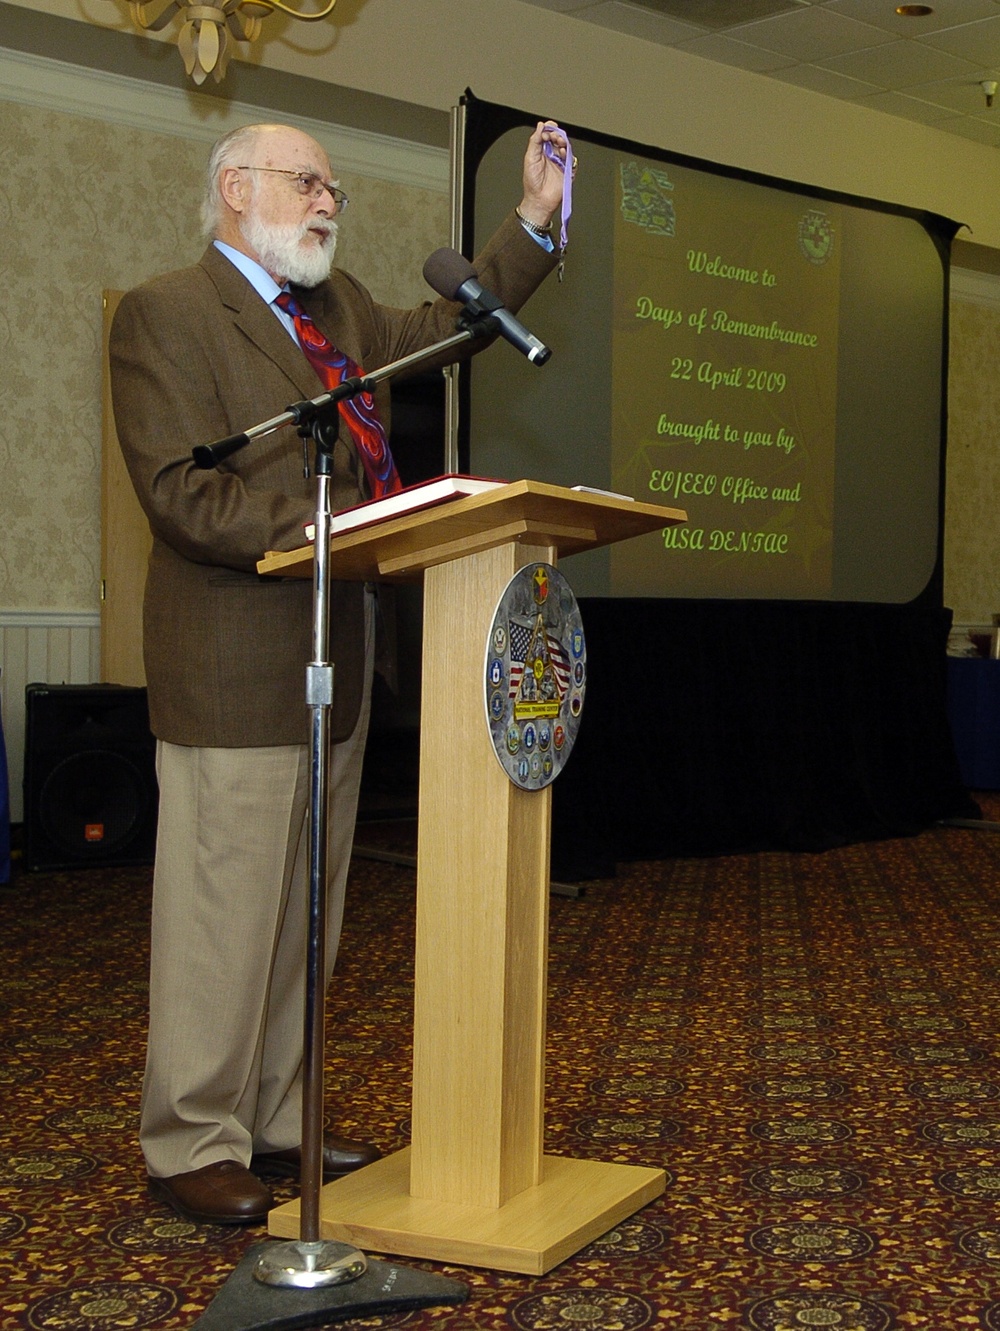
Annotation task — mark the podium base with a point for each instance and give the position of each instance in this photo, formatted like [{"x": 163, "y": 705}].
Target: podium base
[{"x": 576, "y": 1202}]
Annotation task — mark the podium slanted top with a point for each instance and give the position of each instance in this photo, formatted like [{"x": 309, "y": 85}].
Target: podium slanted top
[{"x": 526, "y": 511}]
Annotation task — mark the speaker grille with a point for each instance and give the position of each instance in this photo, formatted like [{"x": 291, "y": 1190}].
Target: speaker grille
[
  {"x": 90, "y": 795},
  {"x": 92, "y": 804}
]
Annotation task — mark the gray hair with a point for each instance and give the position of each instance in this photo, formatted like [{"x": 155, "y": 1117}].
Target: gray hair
[{"x": 231, "y": 150}]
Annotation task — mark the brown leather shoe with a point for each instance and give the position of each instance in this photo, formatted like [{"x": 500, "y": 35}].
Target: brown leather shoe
[
  {"x": 225, "y": 1193},
  {"x": 340, "y": 1156}
]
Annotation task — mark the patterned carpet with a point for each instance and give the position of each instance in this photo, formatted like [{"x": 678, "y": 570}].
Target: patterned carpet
[{"x": 807, "y": 1044}]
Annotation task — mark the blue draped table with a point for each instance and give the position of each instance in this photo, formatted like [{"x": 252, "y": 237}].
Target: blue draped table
[
  {"x": 4, "y": 812},
  {"x": 974, "y": 713}
]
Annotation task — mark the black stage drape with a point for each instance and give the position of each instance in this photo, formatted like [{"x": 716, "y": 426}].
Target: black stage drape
[
  {"x": 716, "y": 726},
  {"x": 712, "y": 727}
]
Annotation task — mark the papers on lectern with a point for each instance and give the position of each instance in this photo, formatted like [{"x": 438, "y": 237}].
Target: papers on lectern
[{"x": 408, "y": 500}]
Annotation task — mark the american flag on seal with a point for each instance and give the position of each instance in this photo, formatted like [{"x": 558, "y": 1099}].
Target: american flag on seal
[{"x": 521, "y": 635}]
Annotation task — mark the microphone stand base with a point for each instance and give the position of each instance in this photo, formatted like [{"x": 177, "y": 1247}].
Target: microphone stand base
[
  {"x": 302, "y": 1265},
  {"x": 245, "y": 1304}
]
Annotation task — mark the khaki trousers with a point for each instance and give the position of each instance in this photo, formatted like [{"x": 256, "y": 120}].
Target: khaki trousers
[{"x": 227, "y": 969}]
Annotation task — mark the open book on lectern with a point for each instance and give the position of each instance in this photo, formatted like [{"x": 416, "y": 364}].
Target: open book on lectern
[{"x": 425, "y": 494}]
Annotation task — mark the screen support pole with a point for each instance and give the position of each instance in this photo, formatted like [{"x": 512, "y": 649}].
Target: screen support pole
[{"x": 456, "y": 151}]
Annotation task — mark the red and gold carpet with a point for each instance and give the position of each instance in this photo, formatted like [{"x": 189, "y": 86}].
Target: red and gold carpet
[{"x": 807, "y": 1044}]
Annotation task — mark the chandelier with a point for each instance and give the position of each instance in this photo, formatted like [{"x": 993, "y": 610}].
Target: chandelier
[{"x": 208, "y": 32}]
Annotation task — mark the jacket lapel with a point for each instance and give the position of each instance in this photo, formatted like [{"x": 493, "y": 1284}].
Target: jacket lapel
[{"x": 257, "y": 321}]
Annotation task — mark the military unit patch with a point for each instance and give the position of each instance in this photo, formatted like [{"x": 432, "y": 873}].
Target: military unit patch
[
  {"x": 816, "y": 236},
  {"x": 535, "y": 675},
  {"x": 646, "y": 198}
]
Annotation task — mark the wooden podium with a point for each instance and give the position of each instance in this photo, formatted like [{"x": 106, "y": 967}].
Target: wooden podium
[{"x": 475, "y": 1187}]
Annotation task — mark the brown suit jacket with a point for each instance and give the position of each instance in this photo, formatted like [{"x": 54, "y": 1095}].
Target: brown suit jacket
[{"x": 196, "y": 355}]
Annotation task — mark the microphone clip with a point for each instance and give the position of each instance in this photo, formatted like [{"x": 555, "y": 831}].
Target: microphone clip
[{"x": 477, "y": 315}]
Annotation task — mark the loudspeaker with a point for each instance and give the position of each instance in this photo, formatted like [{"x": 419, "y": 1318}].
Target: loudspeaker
[{"x": 90, "y": 793}]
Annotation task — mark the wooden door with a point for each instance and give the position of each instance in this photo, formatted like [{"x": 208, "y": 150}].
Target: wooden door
[{"x": 125, "y": 543}]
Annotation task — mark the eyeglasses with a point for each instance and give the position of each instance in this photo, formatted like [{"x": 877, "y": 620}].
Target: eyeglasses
[{"x": 308, "y": 184}]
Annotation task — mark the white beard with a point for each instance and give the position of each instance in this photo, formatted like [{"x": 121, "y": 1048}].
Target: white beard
[{"x": 279, "y": 249}]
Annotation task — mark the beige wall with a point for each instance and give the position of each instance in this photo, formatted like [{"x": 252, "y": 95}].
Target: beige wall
[
  {"x": 119, "y": 204},
  {"x": 972, "y": 490},
  {"x": 127, "y": 168},
  {"x": 428, "y": 51}
]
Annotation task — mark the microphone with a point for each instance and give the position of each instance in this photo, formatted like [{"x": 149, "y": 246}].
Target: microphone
[{"x": 452, "y": 276}]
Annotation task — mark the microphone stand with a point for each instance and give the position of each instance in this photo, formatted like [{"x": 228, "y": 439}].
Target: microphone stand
[{"x": 309, "y": 1262}]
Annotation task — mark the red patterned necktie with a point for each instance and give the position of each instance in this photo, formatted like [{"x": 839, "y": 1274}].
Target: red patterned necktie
[{"x": 359, "y": 412}]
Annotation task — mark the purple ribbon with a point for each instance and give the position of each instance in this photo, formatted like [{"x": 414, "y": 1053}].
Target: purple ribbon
[{"x": 567, "y": 170}]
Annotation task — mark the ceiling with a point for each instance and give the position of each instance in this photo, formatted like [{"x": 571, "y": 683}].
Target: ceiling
[{"x": 927, "y": 69}]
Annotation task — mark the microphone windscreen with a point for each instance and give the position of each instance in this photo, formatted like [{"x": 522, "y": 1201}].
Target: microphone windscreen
[{"x": 445, "y": 270}]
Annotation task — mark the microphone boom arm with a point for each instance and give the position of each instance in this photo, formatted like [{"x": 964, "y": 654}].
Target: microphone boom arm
[{"x": 207, "y": 456}]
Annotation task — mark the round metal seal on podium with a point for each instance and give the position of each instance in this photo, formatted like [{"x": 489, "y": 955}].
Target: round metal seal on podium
[{"x": 535, "y": 675}]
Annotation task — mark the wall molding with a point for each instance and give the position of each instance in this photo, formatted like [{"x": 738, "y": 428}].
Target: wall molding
[
  {"x": 50, "y": 619},
  {"x": 56, "y": 85},
  {"x": 974, "y": 287}
]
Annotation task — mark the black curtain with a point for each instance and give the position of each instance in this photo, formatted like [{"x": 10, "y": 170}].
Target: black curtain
[
  {"x": 713, "y": 726},
  {"x": 721, "y": 726}
]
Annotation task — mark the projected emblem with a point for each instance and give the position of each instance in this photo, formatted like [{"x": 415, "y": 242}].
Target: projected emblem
[
  {"x": 645, "y": 198},
  {"x": 816, "y": 236},
  {"x": 535, "y": 685}
]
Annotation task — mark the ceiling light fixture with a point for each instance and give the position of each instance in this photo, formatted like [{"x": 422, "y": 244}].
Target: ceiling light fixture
[
  {"x": 208, "y": 32},
  {"x": 914, "y": 11}
]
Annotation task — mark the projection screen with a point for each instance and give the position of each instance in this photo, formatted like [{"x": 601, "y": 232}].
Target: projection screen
[{"x": 767, "y": 356}]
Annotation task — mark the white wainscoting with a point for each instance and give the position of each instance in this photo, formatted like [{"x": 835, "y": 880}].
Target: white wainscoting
[{"x": 40, "y": 647}]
